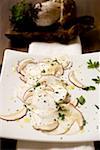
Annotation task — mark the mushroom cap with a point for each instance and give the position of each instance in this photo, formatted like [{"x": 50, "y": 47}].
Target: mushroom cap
[{"x": 49, "y": 13}]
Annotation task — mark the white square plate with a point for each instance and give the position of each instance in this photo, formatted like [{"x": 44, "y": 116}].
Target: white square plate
[{"x": 22, "y": 129}]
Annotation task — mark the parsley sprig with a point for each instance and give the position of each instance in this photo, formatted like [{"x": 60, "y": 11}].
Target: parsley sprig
[
  {"x": 89, "y": 88},
  {"x": 81, "y": 100},
  {"x": 37, "y": 84},
  {"x": 93, "y": 64},
  {"x": 24, "y": 15},
  {"x": 61, "y": 116},
  {"x": 96, "y": 80}
]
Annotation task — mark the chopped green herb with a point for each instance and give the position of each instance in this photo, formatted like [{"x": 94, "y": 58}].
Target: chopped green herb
[
  {"x": 61, "y": 116},
  {"x": 97, "y": 107},
  {"x": 92, "y": 65},
  {"x": 89, "y": 88},
  {"x": 38, "y": 84},
  {"x": 96, "y": 80},
  {"x": 43, "y": 71},
  {"x": 81, "y": 100}
]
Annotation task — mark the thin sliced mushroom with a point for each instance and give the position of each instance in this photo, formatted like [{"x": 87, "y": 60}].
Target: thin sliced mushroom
[
  {"x": 48, "y": 88},
  {"x": 39, "y": 124},
  {"x": 74, "y": 114},
  {"x": 59, "y": 70},
  {"x": 54, "y": 67},
  {"x": 65, "y": 62},
  {"x": 23, "y": 78},
  {"x": 71, "y": 115},
  {"x": 74, "y": 80},
  {"x": 69, "y": 65},
  {"x": 27, "y": 95},
  {"x": 15, "y": 116},
  {"x": 52, "y": 81},
  {"x": 64, "y": 126},
  {"x": 22, "y": 64},
  {"x": 51, "y": 126}
]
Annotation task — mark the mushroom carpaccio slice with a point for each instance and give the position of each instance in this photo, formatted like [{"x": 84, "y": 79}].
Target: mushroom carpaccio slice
[
  {"x": 71, "y": 115},
  {"x": 41, "y": 99},
  {"x": 28, "y": 95},
  {"x": 73, "y": 79},
  {"x": 22, "y": 64},
  {"x": 65, "y": 62},
  {"x": 44, "y": 123},
  {"x": 64, "y": 126},
  {"x": 54, "y": 67},
  {"x": 14, "y": 116}
]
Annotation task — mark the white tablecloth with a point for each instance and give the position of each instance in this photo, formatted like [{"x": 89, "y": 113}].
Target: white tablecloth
[{"x": 53, "y": 49}]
